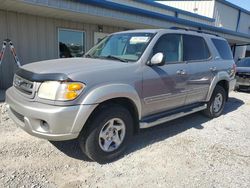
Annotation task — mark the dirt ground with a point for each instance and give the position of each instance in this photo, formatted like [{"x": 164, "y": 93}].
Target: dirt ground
[{"x": 193, "y": 151}]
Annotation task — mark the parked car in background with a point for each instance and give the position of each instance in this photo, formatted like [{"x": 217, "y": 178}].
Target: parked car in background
[
  {"x": 243, "y": 74},
  {"x": 131, "y": 80}
]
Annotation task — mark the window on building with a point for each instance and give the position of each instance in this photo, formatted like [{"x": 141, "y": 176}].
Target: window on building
[
  {"x": 171, "y": 47},
  {"x": 71, "y": 43},
  {"x": 194, "y": 48},
  {"x": 223, "y": 49}
]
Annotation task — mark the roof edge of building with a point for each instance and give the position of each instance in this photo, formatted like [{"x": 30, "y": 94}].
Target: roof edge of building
[{"x": 138, "y": 11}]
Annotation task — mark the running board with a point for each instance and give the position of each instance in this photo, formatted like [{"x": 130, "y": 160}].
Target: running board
[{"x": 144, "y": 124}]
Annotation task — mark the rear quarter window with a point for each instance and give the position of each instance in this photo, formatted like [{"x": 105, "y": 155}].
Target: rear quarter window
[{"x": 223, "y": 49}]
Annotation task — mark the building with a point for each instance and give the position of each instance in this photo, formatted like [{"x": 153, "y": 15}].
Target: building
[{"x": 47, "y": 29}]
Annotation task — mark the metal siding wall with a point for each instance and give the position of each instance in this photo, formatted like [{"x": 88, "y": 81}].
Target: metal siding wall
[
  {"x": 22, "y": 43},
  {"x": 244, "y": 24},
  {"x": 240, "y": 52},
  {"x": 225, "y": 16},
  {"x": 205, "y": 8},
  {"x": 36, "y": 38},
  {"x": 41, "y": 34},
  {"x": 33, "y": 40},
  {"x": 51, "y": 39},
  {"x": 244, "y": 27},
  {"x": 193, "y": 19},
  {"x": 7, "y": 31},
  {"x": 3, "y": 35}
]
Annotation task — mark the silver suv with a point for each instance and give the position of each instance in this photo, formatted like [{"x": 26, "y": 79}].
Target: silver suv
[{"x": 129, "y": 81}]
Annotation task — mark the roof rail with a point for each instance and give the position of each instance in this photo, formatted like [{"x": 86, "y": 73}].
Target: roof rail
[{"x": 199, "y": 30}]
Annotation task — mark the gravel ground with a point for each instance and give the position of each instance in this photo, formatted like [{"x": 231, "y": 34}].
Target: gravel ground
[{"x": 189, "y": 152}]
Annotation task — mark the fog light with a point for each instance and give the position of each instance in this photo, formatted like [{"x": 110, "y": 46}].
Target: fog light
[{"x": 44, "y": 125}]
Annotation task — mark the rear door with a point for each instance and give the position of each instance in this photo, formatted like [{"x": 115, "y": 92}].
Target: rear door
[{"x": 200, "y": 67}]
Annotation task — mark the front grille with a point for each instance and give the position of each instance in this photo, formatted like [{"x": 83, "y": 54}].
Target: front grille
[
  {"x": 243, "y": 74},
  {"x": 23, "y": 85},
  {"x": 18, "y": 116},
  {"x": 244, "y": 87}
]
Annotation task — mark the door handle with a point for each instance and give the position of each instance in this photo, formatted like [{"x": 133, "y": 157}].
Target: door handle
[
  {"x": 213, "y": 69},
  {"x": 181, "y": 72}
]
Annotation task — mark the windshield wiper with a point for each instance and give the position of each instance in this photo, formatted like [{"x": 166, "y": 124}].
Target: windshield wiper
[{"x": 115, "y": 58}]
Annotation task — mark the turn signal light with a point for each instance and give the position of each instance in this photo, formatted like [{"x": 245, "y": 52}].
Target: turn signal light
[
  {"x": 71, "y": 95},
  {"x": 74, "y": 87}
]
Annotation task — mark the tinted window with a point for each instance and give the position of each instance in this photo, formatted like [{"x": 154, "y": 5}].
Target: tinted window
[
  {"x": 244, "y": 62},
  {"x": 71, "y": 43},
  {"x": 223, "y": 49},
  {"x": 171, "y": 46},
  {"x": 194, "y": 48}
]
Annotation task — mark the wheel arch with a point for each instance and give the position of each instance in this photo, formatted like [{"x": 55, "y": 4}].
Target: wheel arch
[
  {"x": 221, "y": 79},
  {"x": 122, "y": 94},
  {"x": 225, "y": 85},
  {"x": 124, "y": 102}
]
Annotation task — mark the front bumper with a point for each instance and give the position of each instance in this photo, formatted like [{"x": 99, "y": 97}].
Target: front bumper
[
  {"x": 47, "y": 121},
  {"x": 240, "y": 81},
  {"x": 232, "y": 84}
]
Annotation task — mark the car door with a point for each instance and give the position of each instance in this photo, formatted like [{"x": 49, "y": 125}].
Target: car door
[
  {"x": 199, "y": 67},
  {"x": 164, "y": 87}
]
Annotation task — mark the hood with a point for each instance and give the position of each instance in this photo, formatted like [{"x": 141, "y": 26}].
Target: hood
[
  {"x": 243, "y": 69},
  {"x": 71, "y": 65}
]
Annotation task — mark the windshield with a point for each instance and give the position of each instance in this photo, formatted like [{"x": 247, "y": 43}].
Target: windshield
[
  {"x": 244, "y": 63},
  {"x": 123, "y": 46}
]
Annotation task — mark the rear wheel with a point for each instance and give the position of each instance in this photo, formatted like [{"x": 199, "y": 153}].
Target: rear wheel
[
  {"x": 107, "y": 134},
  {"x": 217, "y": 102}
]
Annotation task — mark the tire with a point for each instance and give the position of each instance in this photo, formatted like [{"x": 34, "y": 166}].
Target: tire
[
  {"x": 213, "y": 108},
  {"x": 100, "y": 143},
  {"x": 236, "y": 88}
]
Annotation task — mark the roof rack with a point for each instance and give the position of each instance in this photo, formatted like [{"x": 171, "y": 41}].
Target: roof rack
[{"x": 199, "y": 30}]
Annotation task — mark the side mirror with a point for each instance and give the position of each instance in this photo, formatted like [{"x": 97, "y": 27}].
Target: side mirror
[{"x": 157, "y": 59}]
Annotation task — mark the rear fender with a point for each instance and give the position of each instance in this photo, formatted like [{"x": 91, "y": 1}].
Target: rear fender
[{"x": 219, "y": 76}]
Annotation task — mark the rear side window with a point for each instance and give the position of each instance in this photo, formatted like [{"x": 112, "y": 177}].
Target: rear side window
[
  {"x": 194, "y": 48},
  {"x": 223, "y": 48}
]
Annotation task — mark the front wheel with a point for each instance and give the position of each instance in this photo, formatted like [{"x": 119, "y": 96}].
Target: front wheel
[
  {"x": 217, "y": 102},
  {"x": 107, "y": 134}
]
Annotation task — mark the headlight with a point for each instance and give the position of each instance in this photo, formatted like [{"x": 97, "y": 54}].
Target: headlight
[{"x": 60, "y": 91}]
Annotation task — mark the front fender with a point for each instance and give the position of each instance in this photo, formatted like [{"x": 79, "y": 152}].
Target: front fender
[
  {"x": 219, "y": 77},
  {"x": 107, "y": 92}
]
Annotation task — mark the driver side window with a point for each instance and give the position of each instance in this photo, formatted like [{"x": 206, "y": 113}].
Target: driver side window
[{"x": 171, "y": 47}]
